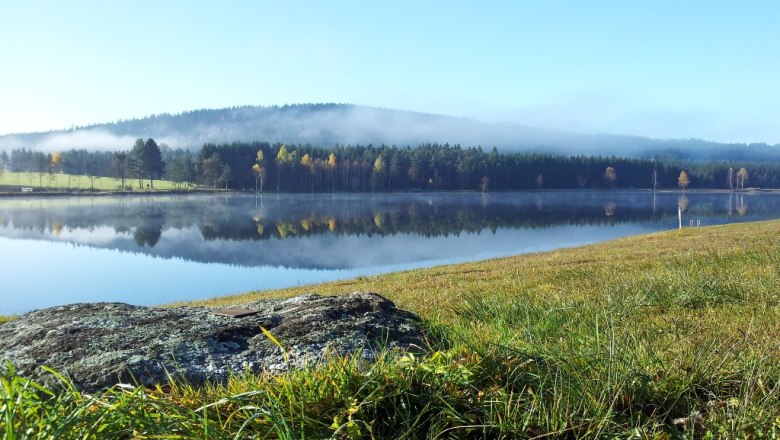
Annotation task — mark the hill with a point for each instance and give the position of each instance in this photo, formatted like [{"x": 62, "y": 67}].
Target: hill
[{"x": 344, "y": 124}]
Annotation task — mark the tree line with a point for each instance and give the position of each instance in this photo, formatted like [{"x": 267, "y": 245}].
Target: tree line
[
  {"x": 144, "y": 162},
  {"x": 262, "y": 167}
]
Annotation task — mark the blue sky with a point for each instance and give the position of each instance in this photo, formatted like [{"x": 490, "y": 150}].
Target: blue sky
[{"x": 665, "y": 69}]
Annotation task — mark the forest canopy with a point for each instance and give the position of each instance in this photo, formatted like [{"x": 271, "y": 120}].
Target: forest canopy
[{"x": 256, "y": 166}]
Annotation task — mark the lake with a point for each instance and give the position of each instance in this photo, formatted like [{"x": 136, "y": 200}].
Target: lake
[{"x": 159, "y": 249}]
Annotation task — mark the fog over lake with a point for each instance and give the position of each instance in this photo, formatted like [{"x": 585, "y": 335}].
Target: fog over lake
[{"x": 159, "y": 249}]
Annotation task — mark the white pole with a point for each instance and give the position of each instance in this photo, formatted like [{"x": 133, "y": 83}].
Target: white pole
[{"x": 679, "y": 217}]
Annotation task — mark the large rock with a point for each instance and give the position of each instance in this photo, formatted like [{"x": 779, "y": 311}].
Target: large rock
[{"x": 100, "y": 344}]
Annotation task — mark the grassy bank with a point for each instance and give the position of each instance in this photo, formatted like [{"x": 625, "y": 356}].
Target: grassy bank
[
  {"x": 660, "y": 336},
  {"x": 57, "y": 181}
]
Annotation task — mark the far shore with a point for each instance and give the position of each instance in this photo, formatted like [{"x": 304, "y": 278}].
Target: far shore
[
  {"x": 80, "y": 193},
  {"x": 54, "y": 192}
]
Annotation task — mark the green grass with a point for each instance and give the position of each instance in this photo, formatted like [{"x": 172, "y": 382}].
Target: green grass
[
  {"x": 57, "y": 181},
  {"x": 670, "y": 335}
]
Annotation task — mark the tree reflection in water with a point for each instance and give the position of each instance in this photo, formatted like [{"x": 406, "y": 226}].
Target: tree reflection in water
[{"x": 220, "y": 220}]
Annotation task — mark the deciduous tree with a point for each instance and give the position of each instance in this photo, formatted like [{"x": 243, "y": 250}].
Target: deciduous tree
[
  {"x": 308, "y": 164},
  {"x": 610, "y": 176},
  {"x": 655, "y": 173},
  {"x": 742, "y": 177},
  {"x": 258, "y": 169},
  {"x": 41, "y": 162},
  {"x": 54, "y": 164},
  {"x": 5, "y": 161},
  {"x": 134, "y": 161},
  {"x": 226, "y": 175},
  {"x": 284, "y": 159},
  {"x": 683, "y": 180},
  {"x": 730, "y": 178},
  {"x": 119, "y": 165},
  {"x": 211, "y": 170},
  {"x": 379, "y": 169},
  {"x": 332, "y": 170},
  {"x": 182, "y": 170}
]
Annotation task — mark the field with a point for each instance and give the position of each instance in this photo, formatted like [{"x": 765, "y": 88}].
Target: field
[
  {"x": 669, "y": 335},
  {"x": 57, "y": 181}
]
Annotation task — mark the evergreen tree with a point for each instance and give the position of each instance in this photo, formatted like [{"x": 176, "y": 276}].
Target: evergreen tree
[{"x": 152, "y": 165}]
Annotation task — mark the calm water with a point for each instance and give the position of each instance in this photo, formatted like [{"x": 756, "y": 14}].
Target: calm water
[{"x": 152, "y": 250}]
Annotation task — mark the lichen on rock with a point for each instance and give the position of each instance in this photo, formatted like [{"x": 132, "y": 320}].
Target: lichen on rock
[{"x": 100, "y": 344}]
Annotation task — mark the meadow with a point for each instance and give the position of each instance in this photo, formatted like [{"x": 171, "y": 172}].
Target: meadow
[
  {"x": 668, "y": 335},
  {"x": 59, "y": 181}
]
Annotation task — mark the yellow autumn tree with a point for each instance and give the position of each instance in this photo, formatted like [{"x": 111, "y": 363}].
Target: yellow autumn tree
[
  {"x": 742, "y": 177},
  {"x": 56, "y": 160},
  {"x": 54, "y": 164},
  {"x": 284, "y": 158},
  {"x": 308, "y": 163},
  {"x": 683, "y": 180},
  {"x": 332, "y": 171},
  {"x": 379, "y": 169},
  {"x": 258, "y": 169}
]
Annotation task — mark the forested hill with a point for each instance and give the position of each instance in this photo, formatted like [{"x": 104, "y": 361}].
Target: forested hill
[{"x": 326, "y": 125}]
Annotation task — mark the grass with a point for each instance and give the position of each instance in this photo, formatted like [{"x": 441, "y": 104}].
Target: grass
[
  {"x": 57, "y": 181},
  {"x": 669, "y": 335}
]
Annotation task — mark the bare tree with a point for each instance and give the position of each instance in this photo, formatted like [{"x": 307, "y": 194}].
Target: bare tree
[
  {"x": 730, "y": 178},
  {"x": 655, "y": 173},
  {"x": 484, "y": 183}
]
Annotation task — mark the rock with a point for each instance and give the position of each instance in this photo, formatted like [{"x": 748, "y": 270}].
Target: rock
[{"x": 100, "y": 344}]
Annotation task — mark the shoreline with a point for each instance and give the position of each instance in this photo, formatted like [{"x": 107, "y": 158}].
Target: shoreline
[{"x": 88, "y": 193}]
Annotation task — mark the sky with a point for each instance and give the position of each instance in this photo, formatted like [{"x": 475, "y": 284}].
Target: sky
[{"x": 662, "y": 69}]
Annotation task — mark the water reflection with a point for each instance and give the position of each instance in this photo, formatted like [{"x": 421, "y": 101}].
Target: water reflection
[
  {"x": 741, "y": 205},
  {"x": 192, "y": 224},
  {"x": 159, "y": 249},
  {"x": 682, "y": 203}
]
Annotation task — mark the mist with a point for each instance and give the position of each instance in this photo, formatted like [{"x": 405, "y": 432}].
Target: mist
[
  {"x": 330, "y": 124},
  {"x": 97, "y": 139}
]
